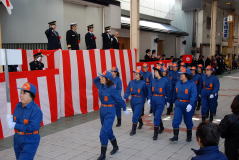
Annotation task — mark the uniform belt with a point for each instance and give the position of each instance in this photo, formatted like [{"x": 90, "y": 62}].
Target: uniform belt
[
  {"x": 134, "y": 95},
  {"x": 183, "y": 100},
  {"x": 107, "y": 105},
  {"x": 24, "y": 133},
  {"x": 209, "y": 88},
  {"x": 160, "y": 95}
]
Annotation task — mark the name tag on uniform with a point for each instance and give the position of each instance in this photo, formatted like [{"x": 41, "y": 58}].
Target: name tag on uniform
[{"x": 73, "y": 35}]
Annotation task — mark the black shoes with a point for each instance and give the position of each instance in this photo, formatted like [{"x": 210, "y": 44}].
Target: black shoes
[
  {"x": 118, "y": 122},
  {"x": 156, "y": 130},
  {"x": 169, "y": 110},
  {"x": 103, "y": 153},
  {"x": 140, "y": 123},
  {"x": 133, "y": 131},
  {"x": 189, "y": 135},
  {"x": 175, "y": 135},
  {"x": 115, "y": 147},
  {"x": 161, "y": 127}
]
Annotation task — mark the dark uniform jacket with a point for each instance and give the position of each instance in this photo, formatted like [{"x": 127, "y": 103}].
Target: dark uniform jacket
[
  {"x": 115, "y": 43},
  {"x": 36, "y": 65},
  {"x": 106, "y": 40},
  {"x": 229, "y": 127},
  {"x": 53, "y": 39},
  {"x": 90, "y": 41},
  {"x": 73, "y": 39}
]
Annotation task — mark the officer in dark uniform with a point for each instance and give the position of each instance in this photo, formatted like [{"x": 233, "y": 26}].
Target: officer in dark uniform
[
  {"x": 115, "y": 41},
  {"x": 90, "y": 38},
  {"x": 107, "y": 38},
  {"x": 53, "y": 37},
  {"x": 72, "y": 37},
  {"x": 37, "y": 63}
]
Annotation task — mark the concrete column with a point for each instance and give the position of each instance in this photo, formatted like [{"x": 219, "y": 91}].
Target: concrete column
[
  {"x": 213, "y": 27},
  {"x": 134, "y": 26},
  {"x": 1, "y": 69}
]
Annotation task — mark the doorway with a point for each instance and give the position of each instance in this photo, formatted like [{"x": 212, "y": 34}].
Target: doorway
[
  {"x": 124, "y": 43},
  {"x": 160, "y": 47}
]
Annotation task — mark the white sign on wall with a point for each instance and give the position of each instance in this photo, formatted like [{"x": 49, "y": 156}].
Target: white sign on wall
[{"x": 14, "y": 56}]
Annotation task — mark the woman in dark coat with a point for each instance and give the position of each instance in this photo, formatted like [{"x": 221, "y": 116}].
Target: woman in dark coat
[{"x": 229, "y": 127}]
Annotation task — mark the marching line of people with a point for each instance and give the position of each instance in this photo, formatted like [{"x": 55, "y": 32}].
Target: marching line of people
[
  {"x": 170, "y": 86},
  {"x": 184, "y": 88},
  {"x": 73, "y": 39}
]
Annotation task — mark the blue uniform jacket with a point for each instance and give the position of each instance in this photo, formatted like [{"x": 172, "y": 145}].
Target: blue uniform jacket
[
  {"x": 109, "y": 95},
  {"x": 210, "y": 84},
  {"x": 118, "y": 84},
  {"x": 209, "y": 153},
  {"x": 28, "y": 119},
  {"x": 174, "y": 77},
  {"x": 148, "y": 77},
  {"x": 198, "y": 82},
  {"x": 186, "y": 91},
  {"x": 138, "y": 91},
  {"x": 159, "y": 87}
]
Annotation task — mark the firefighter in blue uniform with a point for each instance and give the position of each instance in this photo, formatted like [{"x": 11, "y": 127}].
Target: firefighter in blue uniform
[
  {"x": 109, "y": 97},
  {"x": 196, "y": 78},
  {"x": 138, "y": 91},
  {"x": 200, "y": 73},
  {"x": 118, "y": 84},
  {"x": 210, "y": 90},
  {"x": 158, "y": 94},
  {"x": 174, "y": 77},
  {"x": 186, "y": 96},
  {"x": 53, "y": 37},
  {"x": 148, "y": 77},
  {"x": 26, "y": 121}
]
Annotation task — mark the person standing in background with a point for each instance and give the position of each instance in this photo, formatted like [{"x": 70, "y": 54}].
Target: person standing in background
[
  {"x": 53, "y": 37},
  {"x": 72, "y": 37},
  {"x": 107, "y": 38},
  {"x": 90, "y": 38},
  {"x": 147, "y": 57},
  {"x": 115, "y": 41},
  {"x": 229, "y": 127}
]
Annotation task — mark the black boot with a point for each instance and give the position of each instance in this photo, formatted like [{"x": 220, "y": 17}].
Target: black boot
[
  {"x": 161, "y": 127},
  {"x": 199, "y": 104},
  {"x": 189, "y": 135},
  {"x": 103, "y": 153},
  {"x": 140, "y": 123},
  {"x": 115, "y": 147},
  {"x": 203, "y": 118},
  {"x": 156, "y": 130},
  {"x": 133, "y": 131},
  {"x": 211, "y": 118},
  {"x": 169, "y": 110},
  {"x": 118, "y": 122},
  {"x": 175, "y": 135}
]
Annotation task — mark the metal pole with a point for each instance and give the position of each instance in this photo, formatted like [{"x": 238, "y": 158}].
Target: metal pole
[{"x": 7, "y": 82}]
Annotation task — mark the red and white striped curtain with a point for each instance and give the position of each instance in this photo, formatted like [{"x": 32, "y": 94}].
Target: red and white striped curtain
[{"x": 68, "y": 89}]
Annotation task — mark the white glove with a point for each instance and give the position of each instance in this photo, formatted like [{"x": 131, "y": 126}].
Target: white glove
[
  {"x": 211, "y": 96},
  {"x": 10, "y": 122},
  {"x": 167, "y": 105},
  {"x": 149, "y": 102},
  {"x": 126, "y": 112},
  {"x": 189, "y": 107}
]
